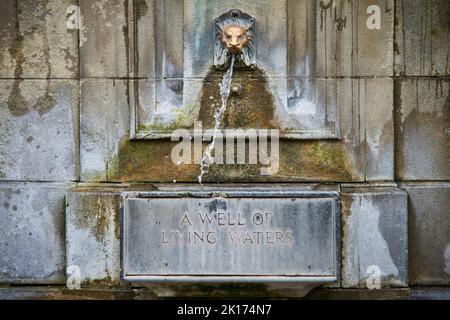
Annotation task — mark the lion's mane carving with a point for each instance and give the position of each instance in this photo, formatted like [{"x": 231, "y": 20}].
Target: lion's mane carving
[{"x": 235, "y": 34}]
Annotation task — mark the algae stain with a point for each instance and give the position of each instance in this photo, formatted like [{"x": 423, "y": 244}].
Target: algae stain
[
  {"x": 147, "y": 161},
  {"x": 98, "y": 213},
  {"x": 141, "y": 9},
  {"x": 253, "y": 108},
  {"x": 313, "y": 160},
  {"x": 150, "y": 162},
  {"x": 46, "y": 102},
  {"x": 17, "y": 104}
]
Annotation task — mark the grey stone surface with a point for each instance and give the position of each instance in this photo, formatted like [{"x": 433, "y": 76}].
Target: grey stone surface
[
  {"x": 104, "y": 39},
  {"x": 366, "y": 125},
  {"x": 427, "y": 293},
  {"x": 39, "y": 130},
  {"x": 375, "y": 237},
  {"x": 46, "y": 137},
  {"x": 346, "y": 47},
  {"x": 35, "y": 41},
  {"x": 378, "y": 102},
  {"x": 270, "y": 16},
  {"x": 60, "y": 293},
  {"x": 104, "y": 125},
  {"x": 429, "y": 225},
  {"x": 93, "y": 236},
  {"x": 32, "y": 246},
  {"x": 422, "y": 38},
  {"x": 289, "y": 236},
  {"x": 161, "y": 106},
  {"x": 358, "y": 294},
  {"x": 423, "y": 129}
]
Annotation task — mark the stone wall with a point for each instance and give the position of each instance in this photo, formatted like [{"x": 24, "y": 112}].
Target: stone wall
[{"x": 66, "y": 153}]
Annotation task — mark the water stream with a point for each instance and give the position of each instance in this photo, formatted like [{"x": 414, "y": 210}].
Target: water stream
[{"x": 225, "y": 86}]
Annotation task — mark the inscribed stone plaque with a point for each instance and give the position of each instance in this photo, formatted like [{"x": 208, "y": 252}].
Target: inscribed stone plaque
[{"x": 222, "y": 237}]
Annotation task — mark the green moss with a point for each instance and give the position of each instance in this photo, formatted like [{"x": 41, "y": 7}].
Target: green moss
[
  {"x": 184, "y": 120},
  {"x": 184, "y": 115},
  {"x": 96, "y": 216},
  {"x": 300, "y": 161}
]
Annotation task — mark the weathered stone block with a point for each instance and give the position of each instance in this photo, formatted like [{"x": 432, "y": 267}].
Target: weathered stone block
[
  {"x": 346, "y": 46},
  {"x": 104, "y": 126},
  {"x": 429, "y": 226},
  {"x": 237, "y": 237},
  {"x": 93, "y": 236},
  {"x": 104, "y": 42},
  {"x": 39, "y": 130},
  {"x": 36, "y": 40},
  {"x": 422, "y": 38},
  {"x": 373, "y": 53},
  {"x": 32, "y": 247},
  {"x": 375, "y": 238},
  {"x": 378, "y": 102},
  {"x": 423, "y": 129}
]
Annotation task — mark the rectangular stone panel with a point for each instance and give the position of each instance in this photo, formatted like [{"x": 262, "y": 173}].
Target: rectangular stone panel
[
  {"x": 172, "y": 46},
  {"x": 104, "y": 124},
  {"x": 242, "y": 235},
  {"x": 429, "y": 227},
  {"x": 32, "y": 247},
  {"x": 104, "y": 41},
  {"x": 374, "y": 237},
  {"x": 422, "y": 38},
  {"x": 346, "y": 46},
  {"x": 39, "y": 130},
  {"x": 422, "y": 129},
  {"x": 93, "y": 234},
  {"x": 38, "y": 39},
  {"x": 377, "y": 99}
]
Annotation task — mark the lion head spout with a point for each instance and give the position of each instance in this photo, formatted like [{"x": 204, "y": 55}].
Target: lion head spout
[{"x": 235, "y": 34}]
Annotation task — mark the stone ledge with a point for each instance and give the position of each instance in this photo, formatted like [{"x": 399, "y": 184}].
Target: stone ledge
[
  {"x": 355, "y": 294},
  {"x": 62, "y": 293}
]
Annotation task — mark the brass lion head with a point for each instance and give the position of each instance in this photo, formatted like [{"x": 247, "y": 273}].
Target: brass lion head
[
  {"x": 235, "y": 38},
  {"x": 235, "y": 34}
]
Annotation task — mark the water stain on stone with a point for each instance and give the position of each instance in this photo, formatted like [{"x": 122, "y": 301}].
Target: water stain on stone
[
  {"x": 141, "y": 9},
  {"x": 421, "y": 135},
  {"x": 17, "y": 104},
  {"x": 71, "y": 61},
  {"x": 253, "y": 108},
  {"x": 45, "y": 103},
  {"x": 97, "y": 215},
  {"x": 300, "y": 161}
]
